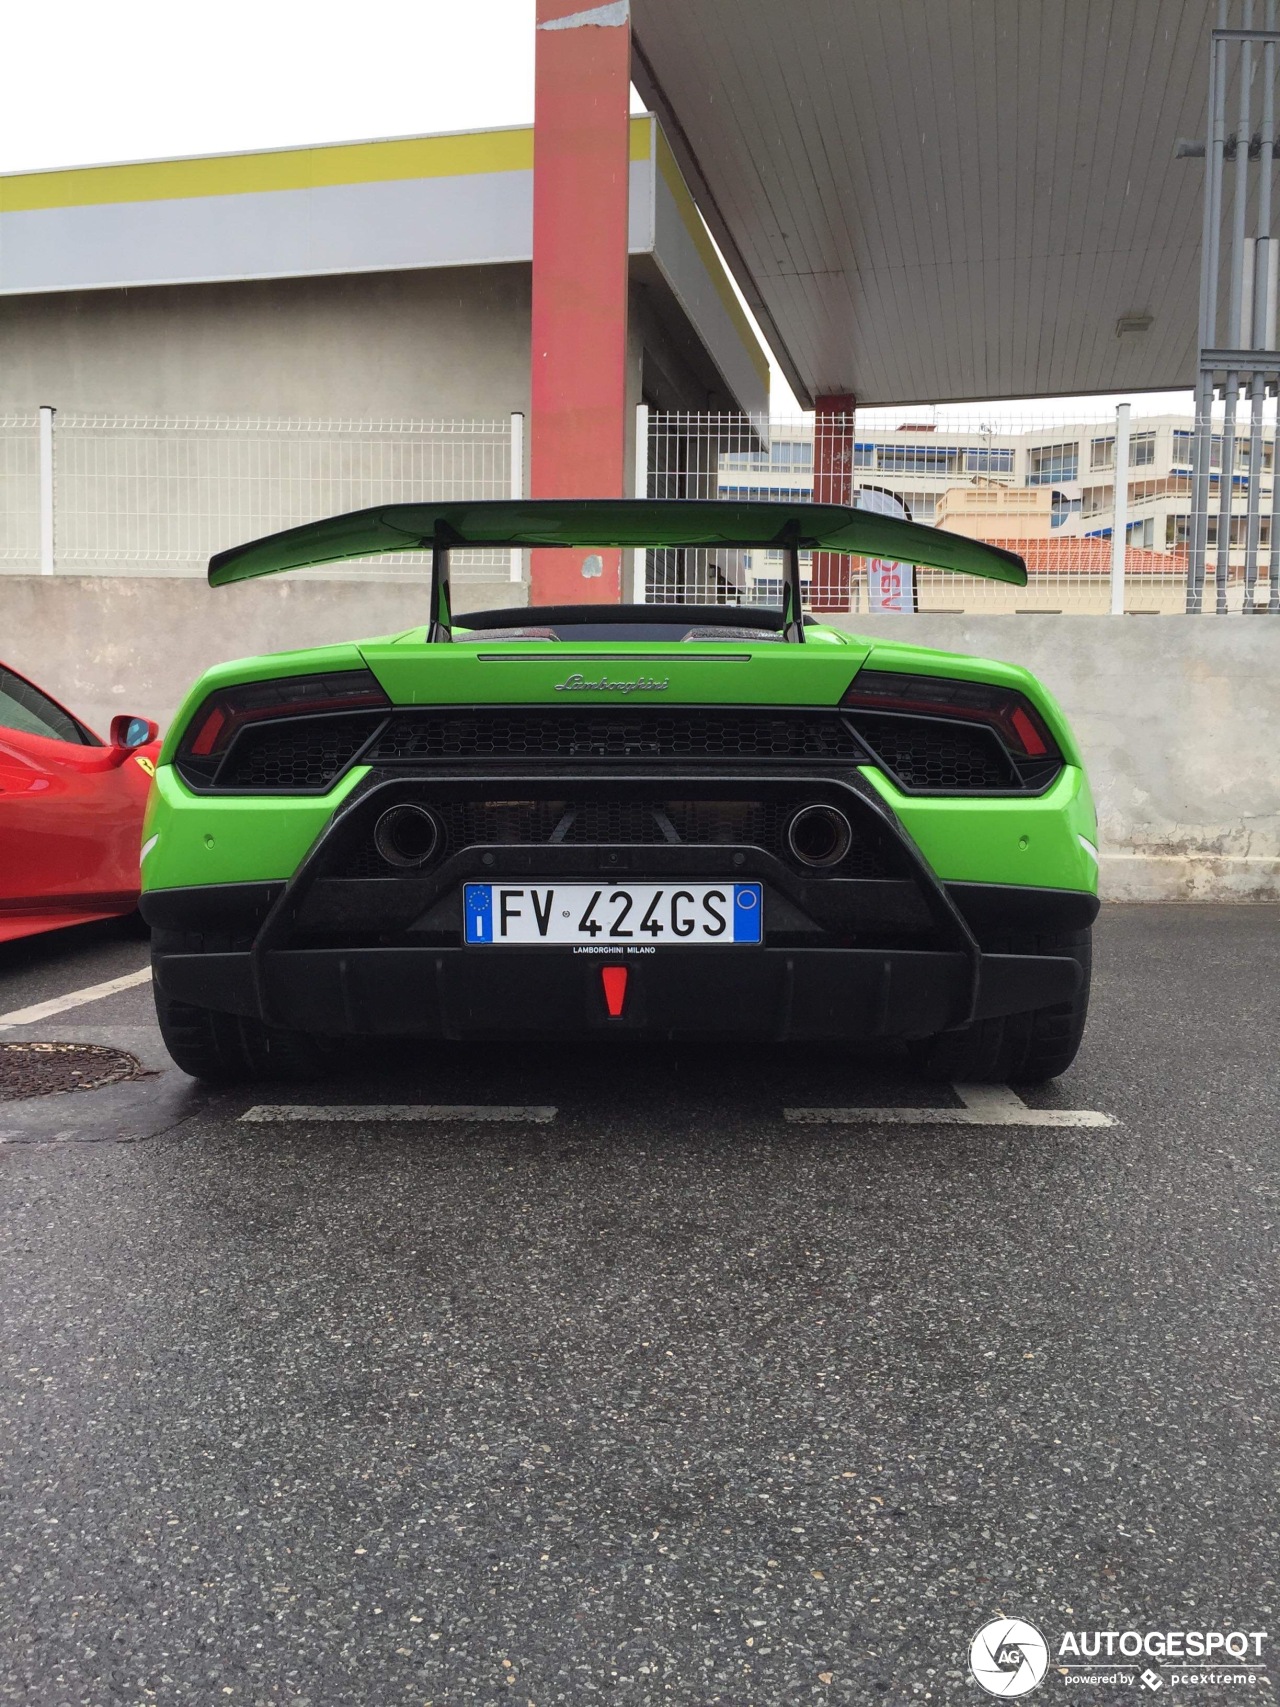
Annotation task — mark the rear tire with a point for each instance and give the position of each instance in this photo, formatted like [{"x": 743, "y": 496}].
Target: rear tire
[
  {"x": 230, "y": 1048},
  {"x": 1015, "y": 1048}
]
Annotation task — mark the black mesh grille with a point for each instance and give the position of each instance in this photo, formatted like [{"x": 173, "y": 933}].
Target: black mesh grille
[
  {"x": 629, "y": 822},
  {"x": 499, "y": 823},
  {"x": 364, "y": 860},
  {"x": 943, "y": 756},
  {"x": 300, "y": 753},
  {"x": 516, "y": 733},
  {"x": 713, "y": 823}
]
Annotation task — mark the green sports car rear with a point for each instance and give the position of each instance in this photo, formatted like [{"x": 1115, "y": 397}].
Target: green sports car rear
[{"x": 662, "y": 821}]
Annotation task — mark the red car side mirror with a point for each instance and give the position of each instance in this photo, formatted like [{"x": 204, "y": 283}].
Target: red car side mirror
[{"x": 129, "y": 732}]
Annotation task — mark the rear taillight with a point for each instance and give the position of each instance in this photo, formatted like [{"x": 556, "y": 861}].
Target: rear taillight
[
  {"x": 215, "y": 726},
  {"x": 936, "y": 735},
  {"x": 225, "y": 713},
  {"x": 1009, "y": 714}
]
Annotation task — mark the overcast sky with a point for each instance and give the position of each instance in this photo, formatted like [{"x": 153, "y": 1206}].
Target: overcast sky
[
  {"x": 94, "y": 80},
  {"x": 144, "y": 79}
]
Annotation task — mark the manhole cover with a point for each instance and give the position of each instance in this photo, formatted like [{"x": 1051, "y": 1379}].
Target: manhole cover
[{"x": 38, "y": 1069}]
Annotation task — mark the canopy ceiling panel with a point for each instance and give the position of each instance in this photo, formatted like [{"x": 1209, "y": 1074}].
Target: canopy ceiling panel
[{"x": 931, "y": 200}]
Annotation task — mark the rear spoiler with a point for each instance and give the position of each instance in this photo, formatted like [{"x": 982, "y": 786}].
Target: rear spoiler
[{"x": 510, "y": 524}]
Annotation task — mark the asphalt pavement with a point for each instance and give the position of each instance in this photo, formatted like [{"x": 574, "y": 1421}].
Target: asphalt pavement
[{"x": 661, "y": 1397}]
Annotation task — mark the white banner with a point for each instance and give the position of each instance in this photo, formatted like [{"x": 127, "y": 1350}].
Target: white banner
[{"x": 891, "y": 586}]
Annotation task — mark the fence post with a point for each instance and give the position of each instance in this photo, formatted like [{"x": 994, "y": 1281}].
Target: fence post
[
  {"x": 639, "y": 571},
  {"x": 1120, "y": 514},
  {"x": 46, "y": 489},
  {"x": 517, "y": 485}
]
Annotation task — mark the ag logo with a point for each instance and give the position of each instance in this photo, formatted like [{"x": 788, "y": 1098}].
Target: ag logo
[{"x": 1008, "y": 1657}]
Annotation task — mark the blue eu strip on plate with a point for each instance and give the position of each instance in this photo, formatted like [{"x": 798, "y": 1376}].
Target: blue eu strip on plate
[
  {"x": 479, "y": 912},
  {"x": 746, "y": 912}
]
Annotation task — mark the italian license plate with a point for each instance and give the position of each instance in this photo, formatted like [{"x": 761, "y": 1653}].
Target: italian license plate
[{"x": 612, "y": 915}]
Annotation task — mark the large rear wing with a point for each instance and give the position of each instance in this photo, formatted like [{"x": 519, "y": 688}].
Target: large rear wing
[{"x": 625, "y": 522}]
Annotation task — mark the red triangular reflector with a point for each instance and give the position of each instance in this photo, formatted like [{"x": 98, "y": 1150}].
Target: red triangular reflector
[{"x": 614, "y": 979}]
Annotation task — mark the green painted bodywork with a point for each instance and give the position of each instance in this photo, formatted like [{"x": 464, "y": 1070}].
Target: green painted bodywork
[
  {"x": 229, "y": 839},
  {"x": 1030, "y": 840},
  {"x": 503, "y": 672},
  {"x": 1033, "y": 840}
]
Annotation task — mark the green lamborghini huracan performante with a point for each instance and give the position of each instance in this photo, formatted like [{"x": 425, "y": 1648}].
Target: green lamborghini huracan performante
[{"x": 665, "y": 821}]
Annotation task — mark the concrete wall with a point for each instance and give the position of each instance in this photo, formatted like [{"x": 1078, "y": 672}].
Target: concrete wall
[
  {"x": 103, "y": 644},
  {"x": 447, "y": 343},
  {"x": 1179, "y": 719}
]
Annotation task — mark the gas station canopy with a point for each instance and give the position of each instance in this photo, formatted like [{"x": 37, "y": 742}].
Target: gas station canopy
[{"x": 946, "y": 199}]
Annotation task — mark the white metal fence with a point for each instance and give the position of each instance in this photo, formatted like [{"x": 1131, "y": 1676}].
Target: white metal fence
[
  {"x": 19, "y": 493},
  {"x": 142, "y": 495},
  {"x": 84, "y": 494},
  {"x": 1043, "y": 485}
]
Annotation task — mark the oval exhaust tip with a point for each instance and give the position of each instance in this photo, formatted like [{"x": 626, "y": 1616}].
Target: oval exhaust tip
[
  {"x": 407, "y": 836},
  {"x": 819, "y": 836}
]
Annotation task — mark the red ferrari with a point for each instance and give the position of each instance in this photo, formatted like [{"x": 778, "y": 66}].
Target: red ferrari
[{"x": 70, "y": 812}]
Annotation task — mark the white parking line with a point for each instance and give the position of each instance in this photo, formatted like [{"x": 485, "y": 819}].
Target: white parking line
[
  {"x": 76, "y": 999},
  {"x": 984, "y": 1105},
  {"x": 535, "y": 1114}
]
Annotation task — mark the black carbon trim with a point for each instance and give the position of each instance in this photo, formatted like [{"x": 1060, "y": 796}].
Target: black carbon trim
[
  {"x": 985, "y": 906},
  {"x": 1011, "y": 906},
  {"x": 210, "y": 906},
  {"x": 780, "y": 994},
  {"x": 280, "y": 925}
]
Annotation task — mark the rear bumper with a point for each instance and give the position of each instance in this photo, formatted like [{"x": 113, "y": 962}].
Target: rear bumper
[
  {"x": 540, "y": 993},
  {"x": 892, "y": 952}
]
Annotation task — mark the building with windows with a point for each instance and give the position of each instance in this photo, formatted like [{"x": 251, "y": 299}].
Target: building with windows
[{"x": 1054, "y": 484}]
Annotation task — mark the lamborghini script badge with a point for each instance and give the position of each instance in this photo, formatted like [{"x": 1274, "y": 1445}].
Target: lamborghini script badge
[{"x": 642, "y": 684}]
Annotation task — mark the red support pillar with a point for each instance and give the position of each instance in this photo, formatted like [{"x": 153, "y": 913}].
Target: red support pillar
[
  {"x": 832, "y": 484},
  {"x": 581, "y": 163}
]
